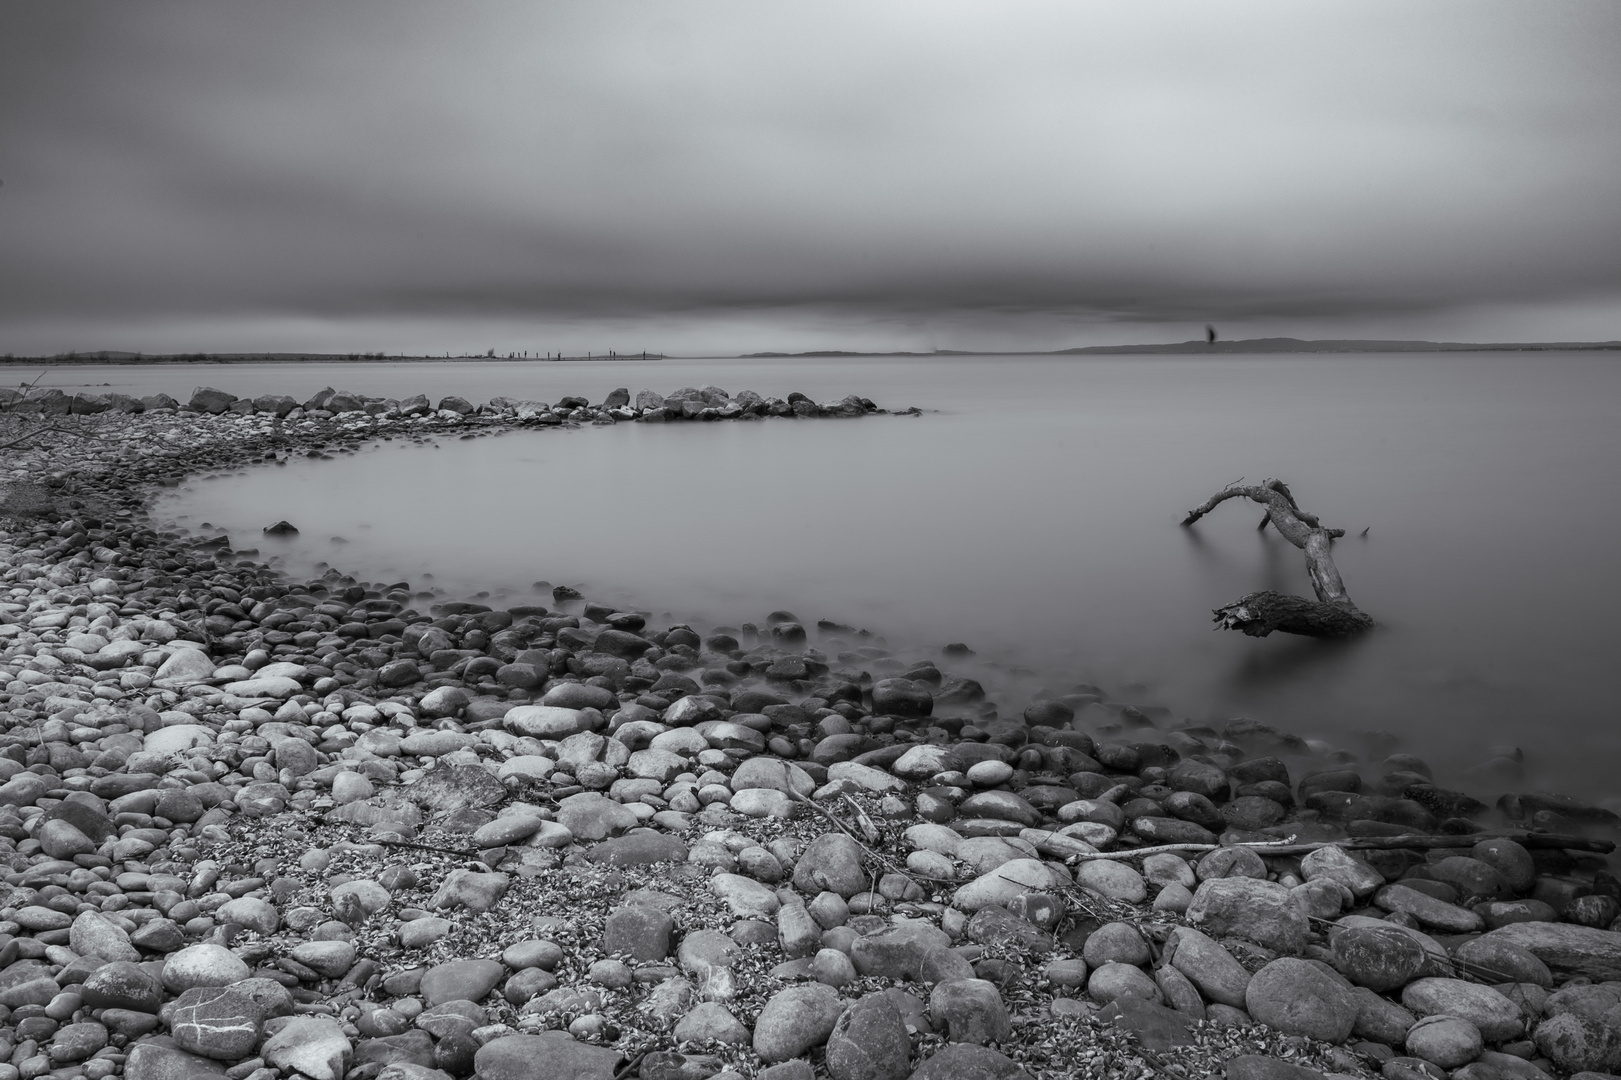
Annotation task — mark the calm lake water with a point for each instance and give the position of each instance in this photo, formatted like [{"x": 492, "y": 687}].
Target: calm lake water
[{"x": 1034, "y": 515}]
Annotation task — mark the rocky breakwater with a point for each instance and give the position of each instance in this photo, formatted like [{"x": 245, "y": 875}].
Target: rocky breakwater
[
  {"x": 688, "y": 403},
  {"x": 257, "y": 828}
]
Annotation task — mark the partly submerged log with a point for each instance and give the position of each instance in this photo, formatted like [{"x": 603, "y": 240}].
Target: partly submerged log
[{"x": 1332, "y": 614}]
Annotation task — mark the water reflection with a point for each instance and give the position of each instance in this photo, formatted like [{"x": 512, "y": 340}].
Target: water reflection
[{"x": 1036, "y": 519}]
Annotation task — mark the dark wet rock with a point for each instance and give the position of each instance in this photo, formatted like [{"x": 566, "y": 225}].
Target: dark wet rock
[
  {"x": 1195, "y": 808},
  {"x": 1198, "y": 777},
  {"x": 1380, "y": 960},
  {"x": 1472, "y": 878},
  {"x": 901, "y": 697}
]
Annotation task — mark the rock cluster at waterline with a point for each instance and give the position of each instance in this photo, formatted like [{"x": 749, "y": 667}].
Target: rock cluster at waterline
[
  {"x": 689, "y": 403},
  {"x": 258, "y": 828}
]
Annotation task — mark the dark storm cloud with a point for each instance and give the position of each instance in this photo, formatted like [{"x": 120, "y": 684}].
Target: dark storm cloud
[{"x": 843, "y": 164}]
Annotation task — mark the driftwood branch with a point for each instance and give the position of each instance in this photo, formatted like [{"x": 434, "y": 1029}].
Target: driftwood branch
[
  {"x": 1333, "y": 614},
  {"x": 1561, "y": 841}
]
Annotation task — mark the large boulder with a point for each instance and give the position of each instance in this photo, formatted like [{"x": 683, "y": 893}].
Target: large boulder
[
  {"x": 1297, "y": 997},
  {"x": 551, "y": 1055},
  {"x": 965, "y": 1061},
  {"x": 869, "y": 1042},
  {"x": 1447, "y": 1041},
  {"x": 1336, "y": 865},
  {"x": 796, "y": 1019},
  {"x": 206, "y": 399},
  {"x": 831, "y": 863},
  {"x": 1016, "y": 877},
  {"x": 1566, "y": 947},
  {"x": 970, "y": 1010},
  {"x": 1498, "y": 1018},
  {"x": 1380, "y": 959},
  {"x": 1260, "y": 911},
  {"x": 901, "y": 697},
  {"x": 1208, "y": 965},
  {"x": 1579, "y": 1043},
  {"x": 314, "y": 1046}
]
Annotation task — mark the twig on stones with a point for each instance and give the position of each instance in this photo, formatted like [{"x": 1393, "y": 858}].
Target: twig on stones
[
  {"x": 868, "y": 829},
  {"x": 876, "y": 856},
  {"x": 429, "y": 847},
  {"x": 1564, "y": 841},
  {"x": 1467, "y": 967}
]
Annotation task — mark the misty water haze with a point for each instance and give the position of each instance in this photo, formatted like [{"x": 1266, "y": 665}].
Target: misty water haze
[{"x": 1034, "y": 517}]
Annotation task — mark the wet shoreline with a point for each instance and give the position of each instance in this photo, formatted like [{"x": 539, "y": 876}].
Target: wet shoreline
[{"x": 962, "y": 827}]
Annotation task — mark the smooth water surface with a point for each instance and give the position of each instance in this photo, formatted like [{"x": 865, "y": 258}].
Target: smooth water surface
[{"x": 1034, "y": 516}]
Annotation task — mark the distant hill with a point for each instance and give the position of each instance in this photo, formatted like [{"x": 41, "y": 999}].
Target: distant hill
[
  {"x": 1247, "y": 345},
  {"x": 1352, "y": 345}
]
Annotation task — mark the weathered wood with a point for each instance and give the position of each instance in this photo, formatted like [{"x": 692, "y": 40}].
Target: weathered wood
[
  {"x": 1259, "y": 614},
  {"x": 1561, "y": 841},
  {"x": 1333, "y": 614}
]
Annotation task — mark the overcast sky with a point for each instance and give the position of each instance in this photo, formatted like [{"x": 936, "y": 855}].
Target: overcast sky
[{"x": 695, "y": 177}]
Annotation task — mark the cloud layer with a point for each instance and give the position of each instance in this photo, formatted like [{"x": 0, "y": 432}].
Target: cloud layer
[{"x": 746, "y": 176}]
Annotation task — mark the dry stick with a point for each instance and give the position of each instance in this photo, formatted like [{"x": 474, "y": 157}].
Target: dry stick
[
  {"x": 877, "y": 857},
  {"x": 428, "y": 847},
  {"x": 1375, "y": 843},
  {"x": 632, "y": 1065}
]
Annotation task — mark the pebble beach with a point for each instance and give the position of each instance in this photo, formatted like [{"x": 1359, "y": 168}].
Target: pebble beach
[{"x": 264, "y": 828}]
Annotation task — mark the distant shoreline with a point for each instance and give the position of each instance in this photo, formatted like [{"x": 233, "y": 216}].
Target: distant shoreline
[
  {"x": 141, "y": 359},
  {"x": 1249, "y": 346}
]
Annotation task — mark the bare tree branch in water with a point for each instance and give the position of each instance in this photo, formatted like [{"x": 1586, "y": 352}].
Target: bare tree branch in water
[{"x": 1332, "y": 614}]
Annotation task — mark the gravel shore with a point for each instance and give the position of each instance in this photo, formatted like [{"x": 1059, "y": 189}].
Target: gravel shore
[{"x": 259, "y": 828}]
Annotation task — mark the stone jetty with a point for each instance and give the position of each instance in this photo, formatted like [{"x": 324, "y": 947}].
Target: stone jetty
[{"x": 259, "y": 828}]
